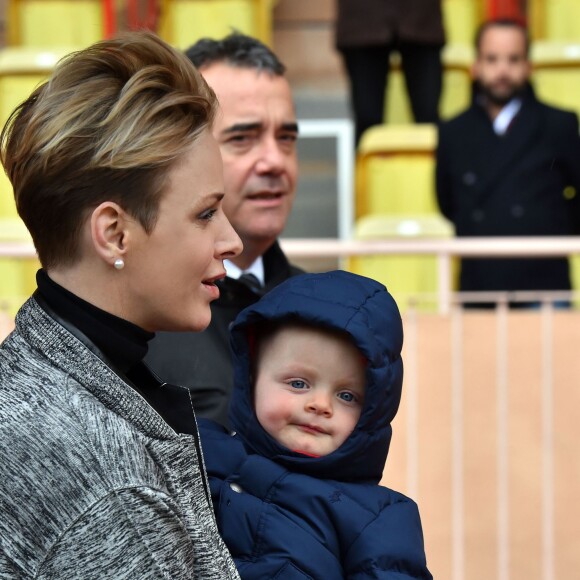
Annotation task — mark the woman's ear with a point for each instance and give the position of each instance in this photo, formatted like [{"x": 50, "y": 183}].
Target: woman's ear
[{"x": 110, "y": 231}]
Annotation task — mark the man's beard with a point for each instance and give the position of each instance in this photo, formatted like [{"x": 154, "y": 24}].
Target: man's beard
[{"x": 494, "y": 97}]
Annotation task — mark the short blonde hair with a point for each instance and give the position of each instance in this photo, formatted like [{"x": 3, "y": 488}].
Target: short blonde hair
[{"x": 106, "y": 126}]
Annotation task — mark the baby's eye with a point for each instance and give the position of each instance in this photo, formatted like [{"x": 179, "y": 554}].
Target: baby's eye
[
  {"x": 348, "y": 397},
  {"x": 297, "y": 384}
]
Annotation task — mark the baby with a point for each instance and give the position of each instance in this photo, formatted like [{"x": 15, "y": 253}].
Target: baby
[{"x": 318, "y": 375}]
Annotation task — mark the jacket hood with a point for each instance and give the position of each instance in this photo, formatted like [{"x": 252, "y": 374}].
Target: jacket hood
[{"x": 365, "y": 310}]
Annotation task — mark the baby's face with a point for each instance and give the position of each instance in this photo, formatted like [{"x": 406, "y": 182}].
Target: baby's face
[{"x": 309, "y": 388}]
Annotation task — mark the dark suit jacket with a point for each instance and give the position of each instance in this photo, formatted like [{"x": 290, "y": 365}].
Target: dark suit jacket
[
  {"x": 511, "y": 185},
  {"x": 202, "y": 361},
  {"x": 376, "y": 22}
]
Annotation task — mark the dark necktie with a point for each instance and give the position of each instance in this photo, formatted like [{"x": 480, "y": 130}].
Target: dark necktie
[{"x": 252, "y": 282}]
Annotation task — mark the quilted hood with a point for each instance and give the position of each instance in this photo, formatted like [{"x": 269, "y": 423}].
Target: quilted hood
[{"x": 367, "y": 312}]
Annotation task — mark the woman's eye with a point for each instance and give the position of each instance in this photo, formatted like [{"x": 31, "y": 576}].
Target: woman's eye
[
  {"x": 297, "y": 384},
  {"x": 347, "y": 396},
  {"x": 208, "y": 215}
]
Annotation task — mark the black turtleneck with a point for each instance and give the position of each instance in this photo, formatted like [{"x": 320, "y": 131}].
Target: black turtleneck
[{"x": 124, "y": 346}]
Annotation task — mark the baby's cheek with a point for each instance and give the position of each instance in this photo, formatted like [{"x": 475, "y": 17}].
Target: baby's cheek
[
  {"x": 270, "y": 416},
  {"x": 278, "y": 417}
]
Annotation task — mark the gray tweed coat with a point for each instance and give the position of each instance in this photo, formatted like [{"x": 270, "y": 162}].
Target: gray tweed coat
[{"x": 93, "y": 482}]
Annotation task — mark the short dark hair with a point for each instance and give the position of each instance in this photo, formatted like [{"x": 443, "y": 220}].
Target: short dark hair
[
  {"x": 237, "y": 50},
  {"x": 502, "y": 23}
]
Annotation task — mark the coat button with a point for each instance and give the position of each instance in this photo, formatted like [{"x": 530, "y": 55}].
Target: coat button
[
  {"x": 477, "y": 215},
  {"x": 235, "y": 487},
  {"x": 569, "y": 192},
  {"x": 517, "y": 211},
  {"x": 469, "y": 178}
]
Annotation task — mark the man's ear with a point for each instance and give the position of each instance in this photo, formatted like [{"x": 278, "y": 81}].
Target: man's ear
[
  {"x": 473, "y": 70},
  {"x": 110, "y": 231}
]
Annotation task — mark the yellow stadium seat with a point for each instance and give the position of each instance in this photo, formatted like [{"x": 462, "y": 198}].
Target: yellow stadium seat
[
  {"x": 461, "y": 19},
  {"x": 407, "y": 276},
  {"x": 456, "y": 91},
  {"x": 556, "y": 73},
  {"x": 21, "y": 70},
  {"x": 183, "y": 22},
  {"x": 55, "y": 23},
  {"x": 397, "y": 105},
  {"x": 395, "y": 170},
  {"x": 575, "y": 277},
  {"x": 557, "y": 20}
]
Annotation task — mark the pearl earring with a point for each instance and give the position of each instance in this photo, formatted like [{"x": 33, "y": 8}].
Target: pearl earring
[{"x": 119, "y": 264}]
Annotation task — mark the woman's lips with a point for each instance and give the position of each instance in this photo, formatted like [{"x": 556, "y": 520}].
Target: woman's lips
[
  {"x": 210, "y": 285},
  {"x": 212, "y": 289}
]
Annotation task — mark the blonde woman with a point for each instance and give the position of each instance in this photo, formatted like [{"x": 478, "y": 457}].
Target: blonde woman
[{"x": 119, "y": 181}]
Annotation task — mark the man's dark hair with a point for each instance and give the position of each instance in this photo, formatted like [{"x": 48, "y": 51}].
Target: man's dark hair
[
  {"x": 237, "y": 50},
  {"x": 502, "y": 23}
]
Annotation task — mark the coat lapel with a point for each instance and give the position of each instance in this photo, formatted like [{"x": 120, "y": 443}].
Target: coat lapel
[{"x": 510, "y": 147}]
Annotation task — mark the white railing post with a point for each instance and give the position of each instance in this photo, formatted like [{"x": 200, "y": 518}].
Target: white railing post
[
  {"x": 343, "y": 131},
  {"x": 457, "y": 496},
  {"x": 412, "y": 403},
  {"x": 547, "y": 443},
  {"x": 502, "y": 446},
  {"x": 444, "y": 282}
]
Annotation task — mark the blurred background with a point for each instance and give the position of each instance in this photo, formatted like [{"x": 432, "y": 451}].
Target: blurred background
[{"x": 384, "y": 188}]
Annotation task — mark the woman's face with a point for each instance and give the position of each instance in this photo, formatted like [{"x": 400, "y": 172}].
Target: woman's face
[{"x": 171, "y": 272}]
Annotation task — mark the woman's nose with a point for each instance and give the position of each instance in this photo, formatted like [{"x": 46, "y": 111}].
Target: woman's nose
[{"x": 229, "y": 244}]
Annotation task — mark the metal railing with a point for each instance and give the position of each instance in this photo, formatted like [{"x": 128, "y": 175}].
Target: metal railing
[{"x": 445, "y": 250}]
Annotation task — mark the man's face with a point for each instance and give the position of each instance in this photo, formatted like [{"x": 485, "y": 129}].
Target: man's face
[
  {"x": 502, "y": 68},
  {"x": 256, "y": 131}
]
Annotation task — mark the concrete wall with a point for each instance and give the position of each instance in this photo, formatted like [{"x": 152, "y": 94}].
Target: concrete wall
[{"x": 304, "y": 40}]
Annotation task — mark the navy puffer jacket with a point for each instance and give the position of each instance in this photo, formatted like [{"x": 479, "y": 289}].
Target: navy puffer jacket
[{"x": 288, "y": 516}]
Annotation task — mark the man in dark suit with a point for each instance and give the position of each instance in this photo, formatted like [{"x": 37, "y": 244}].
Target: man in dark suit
[
  {"x": 509, "y": 166},
  {"x": 256, "y": 130}
]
